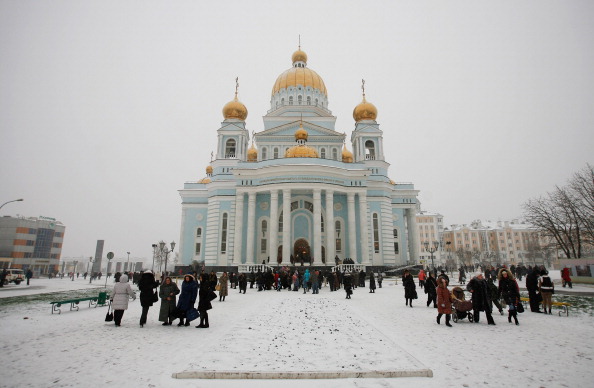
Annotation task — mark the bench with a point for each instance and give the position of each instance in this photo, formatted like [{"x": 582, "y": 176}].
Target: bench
[
  {"x": 564, "y": 306},
  {"x": 99, "y": 300}
]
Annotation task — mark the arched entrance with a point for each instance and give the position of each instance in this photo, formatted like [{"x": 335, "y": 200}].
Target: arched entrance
[{"x": 301, "y": 251}]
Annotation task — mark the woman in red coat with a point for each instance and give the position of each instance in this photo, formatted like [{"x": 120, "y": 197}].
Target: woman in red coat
[{"x": 444, "y": 300}]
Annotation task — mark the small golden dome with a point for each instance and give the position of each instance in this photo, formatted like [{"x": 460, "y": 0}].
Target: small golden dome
[
  {"x": 204, "y": 180},
  {"x": 235, "y": 110},
  {"x": 299, "y": 56},
  {"x": 252, "y": 154},
  {"x": 301, "y": 151},
  {"x": 208, "y": 170},
  {"x": 301, "y": 133},
  {"x": 365, "y": 111},
  {"x": 392, "y": 182},
  {"x": 347, "y": 156}
]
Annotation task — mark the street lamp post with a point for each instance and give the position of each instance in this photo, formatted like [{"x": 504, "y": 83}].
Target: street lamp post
[
  {"x": 109, "y": 257},
  {"x": 74, "y": 270},
  {"x": 154, "y": 253},
  {"x": 166, "y": 252},
  {"x": 431, "y": 249},
  {"x": 128, "y": 263},
  {"x": 14, "y": 200},
  {"x": 91, "y": 273}
]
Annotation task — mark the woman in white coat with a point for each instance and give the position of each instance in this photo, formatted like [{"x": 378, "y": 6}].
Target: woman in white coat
[{"x": 119, "y": 298}]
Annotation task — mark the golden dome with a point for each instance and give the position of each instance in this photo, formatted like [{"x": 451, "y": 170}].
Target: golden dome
[
  {"x": 209, "y": 170},
  {"x": 299, "y": 76},
  {"x": 252, "y": 154},
  {"x": 301, "y": 134},
  {"x": 235, "y": 110},
  {"x": 204, "y": 180},
  {"x": 392, "y": 182},
  {"x": 301, "y": 151},
  {"x": 365, "y": 111},
  {"x": 299, "y": 56},
  {"x": 347, "y": 156}
]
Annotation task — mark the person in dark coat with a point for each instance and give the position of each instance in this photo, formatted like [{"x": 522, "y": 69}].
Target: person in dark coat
[
  {"x": 348, "y": 285},
  {"x": 204, "y": 300},
  {"x": 380, "y": 279},
  {"x": 410, "y": 291},
  {"x": 3, "y": 277},
  {"x": 187, "y": 297},
  {"x": 480, "y": 298},
  {"x": 431, "y": 290},
  {"x": 494, "y": 293},
  {"x": 362, "y": 279},
  {"x": 242, "y": 279},
  {"x": 168, "y": 293},
  {"x": 532, "y": 287},
  {"x": 146, "y": 285},
  {"x": 510, "y": 292},
  {"x": 116, "y": 277},
  {"x": 29, "y": 275},
  {"x": 371, "y": 283}
]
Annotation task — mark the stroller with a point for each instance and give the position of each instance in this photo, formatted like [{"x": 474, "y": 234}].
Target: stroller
[{"x": 462, "y": 308}]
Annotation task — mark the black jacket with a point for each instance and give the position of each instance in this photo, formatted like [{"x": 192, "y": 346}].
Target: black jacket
[
  {"x": 480, "y": 295},
  {"x": 147, "y": 285}
]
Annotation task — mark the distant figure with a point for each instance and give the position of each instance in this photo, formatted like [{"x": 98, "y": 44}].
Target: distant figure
[
  {"x": 371, "y": 283},
  {"x": 410, "y": 291},
  {"x": 146, "y": 285},
  {"x": 564, "y": 276},
  {"x": 348, "y": 286},
  {"x": 29, "y": 275},
  {"x": 546, "y": 288},
  {"x": 204, "y": 300},
  {"x": 444, "y": 300},
  {"x": 3, "y": 277}
]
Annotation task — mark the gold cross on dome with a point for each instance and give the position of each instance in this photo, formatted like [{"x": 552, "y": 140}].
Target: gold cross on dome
[{"x": 236, "y": 85}]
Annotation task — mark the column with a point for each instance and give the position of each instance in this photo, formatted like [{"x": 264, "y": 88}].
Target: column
[
  {"x": 413, "y": 233},
  {"x": 352, "y": 225},
  {"x": 286, "y": 226},
  {"x": 238, "y": 238},
  {"x": 330, "y": 231},
  {"x": 273, "y": 237},
  {"x": 251, "y": 228},
  {"x": 317, "y": 237},
  {"x": 364, "y": 221}
]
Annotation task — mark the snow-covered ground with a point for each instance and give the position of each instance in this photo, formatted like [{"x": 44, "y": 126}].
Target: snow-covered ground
[{"x": 287, "y": 331}]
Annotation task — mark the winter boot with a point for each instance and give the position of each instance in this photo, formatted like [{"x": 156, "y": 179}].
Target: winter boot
[
  {"x": 509, "y": 316},
  {"x": 516, "y": 318},
  {"x": 438, "y": 319},
  {"x": 201, "y": 323},
  {"x": 181, "y": 322},
  {"x": 206, "y": 322},
  {"x": 448, "y": 320}
]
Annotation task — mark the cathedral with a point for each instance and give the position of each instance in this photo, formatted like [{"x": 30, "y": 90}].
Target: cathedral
[{"x": 293, "y": 192}]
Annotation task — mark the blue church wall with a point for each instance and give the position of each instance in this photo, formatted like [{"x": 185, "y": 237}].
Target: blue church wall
[
  {"x": 403, "y": 237},
  {"x": 189, "y": 233}
]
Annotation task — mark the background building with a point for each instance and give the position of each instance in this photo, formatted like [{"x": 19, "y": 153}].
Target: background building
[
  {"x": 430, "y": 229},
  {"x": 33, "y": 242}
]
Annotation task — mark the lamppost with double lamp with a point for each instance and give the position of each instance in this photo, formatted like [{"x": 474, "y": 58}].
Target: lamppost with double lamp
[
  {"x": 431, "y": 249},
  {"x": 154, "y": 254},
  {"x": 90, "y": 273},
  {"x": 74, "y": 270},
  {"x": 166, "y": 252},
  {"x": 14, "y": 200}
]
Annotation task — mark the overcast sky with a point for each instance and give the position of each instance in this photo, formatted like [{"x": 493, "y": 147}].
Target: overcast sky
[{"x": 108, "y": 107}]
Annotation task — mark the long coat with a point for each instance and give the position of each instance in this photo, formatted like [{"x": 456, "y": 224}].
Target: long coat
[
  {"x": 480, "y": 294},
  {"x": 146, "y": 285},
  {"x": 508, "y": 289},
  {"x": 189, "y": 291},
  {"x": 371, "y": 281},
  {"x": 430, "y": 286},
  {"x": 204, "y": 300},
  {"x": 167, "y": 306},
  {"x": 410, "y": 291},
  {"x": 223, "y": 283},
  {"x": 121, "y": 292},
  {"x": 444, "y": 300}
]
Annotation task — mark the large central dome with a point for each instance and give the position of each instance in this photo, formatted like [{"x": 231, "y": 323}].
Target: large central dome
[{"x": 299, "y": 75}]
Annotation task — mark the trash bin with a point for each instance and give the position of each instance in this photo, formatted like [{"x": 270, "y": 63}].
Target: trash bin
[{"x": 102, "y": 298}]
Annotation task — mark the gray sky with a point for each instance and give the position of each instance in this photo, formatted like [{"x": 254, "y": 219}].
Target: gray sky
[{"x": 108, "y": 107}]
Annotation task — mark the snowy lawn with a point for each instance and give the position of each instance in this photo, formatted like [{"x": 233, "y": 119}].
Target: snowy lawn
[{"x": 288, "y": 331}]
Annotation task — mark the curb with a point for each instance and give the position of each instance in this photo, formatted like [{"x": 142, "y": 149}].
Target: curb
[{"x": 247, "y": 375}]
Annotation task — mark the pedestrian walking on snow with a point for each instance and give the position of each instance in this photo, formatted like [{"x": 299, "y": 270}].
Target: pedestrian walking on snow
[
  {"x": 410, "y": 291},
  {"x": 147, "y": 286},
  {"x": 168, "y": 293},
  {"x": 119, "y": 299},
  {"x": 444, "y": 300},
  {"x": 187, "y": 298}
]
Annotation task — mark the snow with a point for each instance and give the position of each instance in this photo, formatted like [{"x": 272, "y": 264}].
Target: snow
[{"x": 274, "y": 331}]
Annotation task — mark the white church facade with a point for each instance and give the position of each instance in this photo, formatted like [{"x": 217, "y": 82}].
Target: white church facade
[{"x": 293, "y": 192}]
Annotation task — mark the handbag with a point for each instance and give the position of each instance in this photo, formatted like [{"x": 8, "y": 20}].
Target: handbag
[
  {"x": 520, "y": 307},
  {"x": 218, "y": 287},
  {"x": 192, "y": 314},
  {"x": 212, "y": 296},
  {"x": 155, "y": 296},
  {"x": 109, "y": 315}
]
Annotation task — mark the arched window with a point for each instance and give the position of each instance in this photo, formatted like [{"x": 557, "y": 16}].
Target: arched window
[
  {"x": 308, "y": 100},
  {"x": 290, "y": 100},
  {"x": 316, "y": 102},
  {"x": 198, "y": 232},
  {"x": 263, "y": 243},
  {"x": 283, "y": 101},
  {"x": 230, "y": 148},
  {"x": 275, "y": 153},
  {"x": 280, "y": 222},
  {"x": 323, "y": 153},
  {"x": 224, "y": 234},
  {"x": 338, "y": 229},
  {"x": 299, "y": 99},
  {"x": 375, "y": 233},
  {"x": 198, "y": 244},
  {"x": 334, "y": 154},
  {"x": 369, "y": 150},
  {"x": 264, "y": 153},
  {"x": 396, "y": 250}
]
